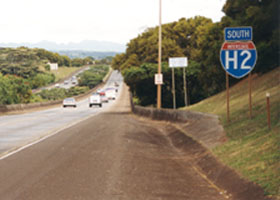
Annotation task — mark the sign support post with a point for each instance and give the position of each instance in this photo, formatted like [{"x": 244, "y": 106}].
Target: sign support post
[
  {"x": 173, "y": 89},
  {"x": 178, "y": 62},
  {"x": 250, "y": 95},
  {"x": 268, "y": 110},
  {"x": 227, "y": 86},
  {"x": 185, "y": 87}
]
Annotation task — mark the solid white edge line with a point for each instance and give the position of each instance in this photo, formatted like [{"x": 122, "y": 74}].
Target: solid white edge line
[
  {"x": 47, "y": 136},
  {"x": 54, "y": 133}
]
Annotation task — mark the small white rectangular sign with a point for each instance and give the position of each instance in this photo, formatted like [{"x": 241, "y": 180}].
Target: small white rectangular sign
[
  {"x": 178, "y": 62},
  {"x": 158, "y": 79}
]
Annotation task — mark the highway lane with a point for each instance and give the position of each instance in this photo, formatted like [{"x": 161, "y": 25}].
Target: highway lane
[
  {"x": 61, "y": 84},
  {"x": 21, "y": 129},
  {"x": 110, "y": 156}
]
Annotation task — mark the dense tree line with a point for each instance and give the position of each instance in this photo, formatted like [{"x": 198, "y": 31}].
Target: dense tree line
[
  {"x": 200, "y": 40},
  {"x": 93, "y": 76}
]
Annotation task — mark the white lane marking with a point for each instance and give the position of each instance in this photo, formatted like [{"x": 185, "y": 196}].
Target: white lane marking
[
  {"x": 8, "y": 154},
  {"x": 45, "y": 137}
]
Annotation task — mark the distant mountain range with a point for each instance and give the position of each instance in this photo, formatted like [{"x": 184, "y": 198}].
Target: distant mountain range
[
  {"x": 82, "y": 54},
  {"x": 86, "y": 45}
]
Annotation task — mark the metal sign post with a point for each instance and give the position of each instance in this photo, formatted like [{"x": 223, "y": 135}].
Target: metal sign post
[
  {"x": 173, "y": 89},
  {"x": 268, "y": 110},
  {"x": 178, "y": 62},
  {"x": 250, "y": 95},
  {"x": 227, "y": 86},
  {"x": 185, "y": 87}
]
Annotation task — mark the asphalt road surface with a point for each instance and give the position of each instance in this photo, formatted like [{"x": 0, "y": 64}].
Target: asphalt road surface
[
  {"x": 19, "y": 130},
  {"x": 109, "y": 156}
]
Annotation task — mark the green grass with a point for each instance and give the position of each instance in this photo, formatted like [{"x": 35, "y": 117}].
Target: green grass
[
  {"x": 252, "y": 149},
  {"x": 63, "y": 72}
]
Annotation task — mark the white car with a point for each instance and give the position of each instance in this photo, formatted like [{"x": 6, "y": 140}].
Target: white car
[
  {"x": 95, "y": 99},
  {"x": 69, "y": 102},
  {"x": 111, "y": 93},
  {"x": 103, "y": 96}
]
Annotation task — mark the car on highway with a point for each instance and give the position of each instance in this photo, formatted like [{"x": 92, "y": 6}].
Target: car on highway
[
  {"x": 66, "y": 82},
  {"x": 69, "y": 102},
  {"x": 104, "y": 99},
  {"x": 111, "y": 93},
  {"x": 95, "y": 99},
  {"x": 112, "y": 88},
  {"x": 103, "y": 96}
]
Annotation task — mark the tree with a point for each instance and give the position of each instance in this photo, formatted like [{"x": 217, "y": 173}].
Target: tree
[
  {"x": 14, "y": 90},
  {"x": 263, "y": 16},
  {"x": 77, "y": 62},
  {"x": 118, "y": 60}
]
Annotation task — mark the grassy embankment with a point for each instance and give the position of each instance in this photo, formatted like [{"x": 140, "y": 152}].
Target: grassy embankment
[
  {"x": 63, "y": 72},
  {"x": 252, "y": 149}
]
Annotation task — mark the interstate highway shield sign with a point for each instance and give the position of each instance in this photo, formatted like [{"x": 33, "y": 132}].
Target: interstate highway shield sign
[{"x": 238, "y": 58}]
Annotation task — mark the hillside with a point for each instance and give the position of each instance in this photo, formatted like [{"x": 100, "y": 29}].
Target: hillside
[
  {"x": 26, "y": 62},
  {"x": 23, "y": 69},
  {"x": 251, "y": 149}
]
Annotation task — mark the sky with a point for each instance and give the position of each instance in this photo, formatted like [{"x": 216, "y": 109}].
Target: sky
[{"x": 64, "y": 21}]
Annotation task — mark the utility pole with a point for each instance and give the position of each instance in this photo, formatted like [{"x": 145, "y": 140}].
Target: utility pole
[{"x": 159, "y": 58}]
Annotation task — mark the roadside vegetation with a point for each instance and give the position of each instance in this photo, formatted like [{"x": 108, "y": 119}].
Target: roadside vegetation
[
  {"x": 200, "y": 40},
  {"x": 23, "y": 69},
  {"x": 252, "y": 149},
  {"x": 93, "y": 76},
  {"x": 87, "y": 80}
]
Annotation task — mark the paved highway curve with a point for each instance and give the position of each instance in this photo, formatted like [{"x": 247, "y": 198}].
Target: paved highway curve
[
  {"x": 19, "y": 130},
  {"x": 108, "y": 156}
]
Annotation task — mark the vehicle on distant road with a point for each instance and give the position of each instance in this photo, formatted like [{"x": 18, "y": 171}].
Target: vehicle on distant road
[
  {"x": 112, "y": 88},
  {"x": 95, "y": 99},
  {"x": 57, "y": 85},
  {"x": 66, "y": 82},
  {"x": 111, "y": 93},
  {"x": 104, "y": 99},
  {"x": 103, "y": 96},
  {"x": 69, "y": 102},
  {"x": 101, "y": 92}
]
